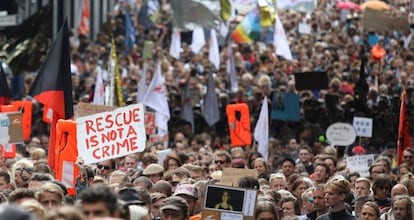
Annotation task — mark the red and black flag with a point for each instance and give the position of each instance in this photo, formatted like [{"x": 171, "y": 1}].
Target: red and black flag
[
  {"x": 53, "y": 85},
  {"x": 5, "y": 93}
]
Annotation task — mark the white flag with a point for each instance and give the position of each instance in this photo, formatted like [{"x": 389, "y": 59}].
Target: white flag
[
  {"x": 198, "y": 40},
  {"x": 280, "y": 41},
  {"x": 214, "y": 54},
  {"x": 211, "y": 109},
  {"x": 99, "y": 93},
  {"x": 187, "y": 109},
  {"x": 261, "y": 131},
  {"x": 231, "y": 69},
  {"x": 156, "y": 98},
  {"x": 142, "y": 85},
  {"x": 175, "y": 47}
]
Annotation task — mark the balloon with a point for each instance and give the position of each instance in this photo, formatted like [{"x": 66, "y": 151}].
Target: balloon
[{"x": 377, "y": 53}]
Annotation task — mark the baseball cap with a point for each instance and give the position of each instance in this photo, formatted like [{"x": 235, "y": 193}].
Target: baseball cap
[
  {"x": 186, "y": 189},
  {"x": 175, "y": 203},
  {"x": 358, "y": 150},
  {"x": 153, "y": 169}
]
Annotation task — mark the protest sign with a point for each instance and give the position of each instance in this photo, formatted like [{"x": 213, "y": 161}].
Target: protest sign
[
  {"x": 360, "y": 164},
  {"x": 311, "y": 80},
  {"x": 11, "y": 128},
  {"x": 158, "y": 139},
  {"x": 286, "y": 106},
  {"x": 363, "y": 126},
  {"x": 162, "y": 154},
  {"x": 148, "y": 50},
  {"x": 110, "y": 135},
  {"x": 222, "y": 202},
  {"x": 150, "y": 122},
  {"x": 231, "y": 176},
  {"x": 341, "y": 134},
  {"x": 85, "y": 109}
]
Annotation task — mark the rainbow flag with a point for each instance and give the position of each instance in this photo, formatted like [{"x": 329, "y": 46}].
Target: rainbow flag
[{"x": 248, "y": 29}]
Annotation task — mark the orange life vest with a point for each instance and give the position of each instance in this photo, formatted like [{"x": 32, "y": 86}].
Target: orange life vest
[
  {"x": 238, "y": 117},
  {"x": 66, "y": 152}
]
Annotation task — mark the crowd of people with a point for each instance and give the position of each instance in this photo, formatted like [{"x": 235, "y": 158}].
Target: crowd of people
[{"x": 303, "y": 178}]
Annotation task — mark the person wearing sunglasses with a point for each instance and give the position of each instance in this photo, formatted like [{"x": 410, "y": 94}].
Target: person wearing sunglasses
[
  {"x": 222, "y": 159},
  {"x": 408, "y": 157},
  {"x": 105, "y": 168}
]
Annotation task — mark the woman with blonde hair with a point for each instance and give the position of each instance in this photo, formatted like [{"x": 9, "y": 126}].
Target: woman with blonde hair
[
  {"x": 370, "y": 211},
  {"x": 50, "y": 196},
  {"x": 33, "y": 207},
  {"x": 65, "y": 213},
  {"x": 336, "y": 192}
]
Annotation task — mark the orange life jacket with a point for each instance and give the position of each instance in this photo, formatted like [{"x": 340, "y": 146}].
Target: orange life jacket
[
  {"x": 66, "y": 152},
  {"x": 239, "y": 124}
]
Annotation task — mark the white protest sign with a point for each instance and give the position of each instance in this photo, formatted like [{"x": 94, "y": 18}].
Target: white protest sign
[
  {"x": 304, "y": 28},
  {"x": 110, "y": 135},
  {"x": 341, "y": 134},
  {"x": 363, "y": 126},
  {"x": 4, "y": 128},
  {"x": 360, "y": 164}
]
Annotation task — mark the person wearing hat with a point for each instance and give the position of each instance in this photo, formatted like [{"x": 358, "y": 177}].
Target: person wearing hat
[
  {"x": 189, "y": 193},
  {"x": 174, "y": 208},
  {"x": 154, "y": 172},
  {"x": 358, "y": 150}
]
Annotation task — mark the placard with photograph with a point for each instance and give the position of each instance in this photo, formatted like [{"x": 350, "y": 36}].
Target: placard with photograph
[{"x": 222, "y": 202}]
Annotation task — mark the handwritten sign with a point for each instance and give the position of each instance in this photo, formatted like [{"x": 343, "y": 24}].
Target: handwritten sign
[
  {"x": 231, "y": 176},
  {"x": 360, "y": 163},
  {"x": 363, "y": 126},
  {"x": 341, "y": 134},
  {"x": 110, "y": 135}
]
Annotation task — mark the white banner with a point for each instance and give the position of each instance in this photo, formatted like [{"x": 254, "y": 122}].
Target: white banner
[{"x": 110, "y": 135}]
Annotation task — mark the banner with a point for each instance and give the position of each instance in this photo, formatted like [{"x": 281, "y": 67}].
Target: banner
[{"x": 113, "y": 134}]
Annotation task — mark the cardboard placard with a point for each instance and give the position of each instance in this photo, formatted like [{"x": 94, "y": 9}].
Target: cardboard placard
[
  {"x": 360, "y": 164},
  {"x": 231, "y": 176},
  {"x": 85, "y": 109},
  {"x": 228, "y": 203},
  {"x": 110, "y": 135},
  {"x": 11, "y": 128},
  {"x": 380, "y": 21}
]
